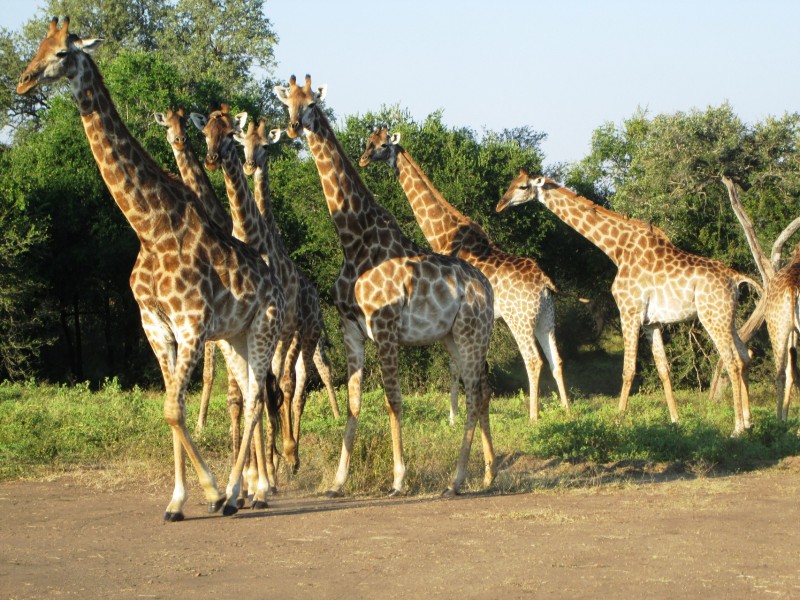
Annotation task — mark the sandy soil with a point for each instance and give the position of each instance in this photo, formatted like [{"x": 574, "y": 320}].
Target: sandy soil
[{"x": 733, "y": 536}]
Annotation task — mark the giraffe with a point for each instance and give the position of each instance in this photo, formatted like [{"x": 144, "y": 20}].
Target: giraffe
[
  {"x": 782, "y": 313},
  {"x": 393, "y": 292},
  {"x": 523, "y": 294},
  {"x": 196, "y": 178},
  {"x": 250, "y": 226},
  {"x": 199, "y": 283},
  {"x": 311, "y": 326},
  {"x": 656, "y": 284}
]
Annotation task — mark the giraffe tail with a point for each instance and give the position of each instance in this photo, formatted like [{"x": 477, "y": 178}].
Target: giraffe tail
[{"x": 740, "y": 279}]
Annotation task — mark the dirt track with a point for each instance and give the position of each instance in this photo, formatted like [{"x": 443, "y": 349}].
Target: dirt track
[{"x": 734, "y": 537}]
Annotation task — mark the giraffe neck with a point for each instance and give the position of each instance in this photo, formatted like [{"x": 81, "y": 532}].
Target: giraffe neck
[
  {"x": 367, "y": 231},
  {"x": 196, "y": 179},
  {"x": 609, "y": 231},
  {"x": 248, "y": 225},
  {"x": 263, "y": 199},
  {"x": 147, "y": 195},
  {"x": 446, "y": 229}
]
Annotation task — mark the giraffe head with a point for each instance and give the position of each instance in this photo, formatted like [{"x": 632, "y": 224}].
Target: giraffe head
[
  {"x": 175, "y": 123},
  {"x": 254, "y": 143},
  {"x": 301, "y": 101},
  {"x": 219, "y": 129},
  {"x": 381, "y": 147},
  {"x": 525, "y": 188},
  {"x": 56, "y": 57}
]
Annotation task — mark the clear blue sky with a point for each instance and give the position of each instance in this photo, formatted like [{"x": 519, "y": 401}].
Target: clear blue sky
[{"x": 563, "y": 67}]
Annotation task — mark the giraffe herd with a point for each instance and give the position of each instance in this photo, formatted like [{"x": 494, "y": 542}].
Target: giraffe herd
[{"x": 205, "y": 279}]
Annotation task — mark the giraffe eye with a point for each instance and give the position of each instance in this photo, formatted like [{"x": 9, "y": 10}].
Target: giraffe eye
[{"x": 61, "y": 53}]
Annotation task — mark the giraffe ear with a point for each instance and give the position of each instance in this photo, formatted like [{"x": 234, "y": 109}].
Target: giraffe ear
[
  {"x": 282, "y": 93},
  {"x": 240, "y": 120},
  {"x": 395, "y": 139},
  {"x": 198, "y": 120},
  {"x": 322, "y": 91},
  {"x": 88, "y": 45},
  {"x": 274, "y": 135},
  {"x": 540, "y": 181},
  {"x": 160, "y": 119}
]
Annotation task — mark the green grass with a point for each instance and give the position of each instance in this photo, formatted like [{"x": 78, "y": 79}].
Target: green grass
[{"x": 47, "y": 430}]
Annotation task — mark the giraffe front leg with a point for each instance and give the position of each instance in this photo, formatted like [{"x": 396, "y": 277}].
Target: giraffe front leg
[
  {"x": 662, "y": 366},
  {"x": 175, "y": 415},
  {"x": 630, "y": 338},
  {"x": 174, "y": 510},
  {"x": 354, "y": 345}
]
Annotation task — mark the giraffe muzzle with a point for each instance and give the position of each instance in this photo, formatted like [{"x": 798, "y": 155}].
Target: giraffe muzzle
[
  {"x": 211, "y": 161},
  {"x": 26, "y": 82}
]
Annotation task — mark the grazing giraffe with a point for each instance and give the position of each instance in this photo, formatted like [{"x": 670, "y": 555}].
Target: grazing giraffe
[
  {"x": 196, "y": 179},
  {"x": 200, "y": 284},
  {"x": 311, "y": 326},
  {"x": 250, "y": 227},
  {"x": 656, "y": 283},
  {"x": 782, "y": 313},
  {"x": 394, "y": 292},
  {"x": 523, "y": 294}
]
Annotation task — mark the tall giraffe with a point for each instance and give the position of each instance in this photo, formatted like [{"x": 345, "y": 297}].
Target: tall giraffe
[
  {"x": 656, "y": 284},
  {"x": 250, "y": 227},
  {"x": 311, "y": 326},
  {"x": 392, "y": 291},
  {"x": 195, "y": 177},
  {"x": 523, "y": 294},
  {"x": 782, "y": 313},
  {"x": 200, "y": 284}
]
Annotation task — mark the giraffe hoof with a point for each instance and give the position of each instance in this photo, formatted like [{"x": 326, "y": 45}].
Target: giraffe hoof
[
  {"x": 173, "y": 517},
  {"x": 334, "y": 494},
  {"x": 395, "y": 492},
  {"x": 450, "y": 492},
  {"x": 229, "y": 510},
  {"x": 272, "y": 490},
  {"x": 215, "y": 506},
  {"x": 259, "y": 505},
  {"x": 240, "y": 503}
]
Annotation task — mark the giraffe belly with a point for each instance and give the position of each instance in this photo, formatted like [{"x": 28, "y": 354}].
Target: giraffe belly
[{"x": 665, "y": 309}]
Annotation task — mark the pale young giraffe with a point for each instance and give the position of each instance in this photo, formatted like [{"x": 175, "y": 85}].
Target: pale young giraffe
[
  {"x": 656, "y": 284},
  {"x": 200, "y": 284},
  {"x": 394, "y": 292},
  {"x": 523, "y": 294},
  {"x": 310, "y": 333},
  {"x": 196, "y": 178},
  {"x": 782, "y": 313}
]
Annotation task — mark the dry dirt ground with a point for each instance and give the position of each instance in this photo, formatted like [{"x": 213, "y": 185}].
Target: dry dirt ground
[{"x": 734, "y": 536}]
